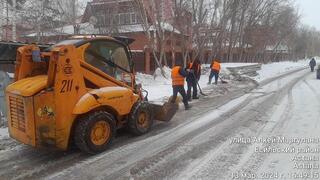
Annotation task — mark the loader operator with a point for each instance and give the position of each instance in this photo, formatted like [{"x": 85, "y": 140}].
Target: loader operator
[
  {"x": 215, "y": 70},
  {"x": 193, "y": 78},
  {"x": 178, "y": 75}
]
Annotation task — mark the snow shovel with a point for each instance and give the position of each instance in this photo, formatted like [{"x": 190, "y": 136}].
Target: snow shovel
[
  {"x": 223, "y": 81},
  {"x": 203, "y": 94}
]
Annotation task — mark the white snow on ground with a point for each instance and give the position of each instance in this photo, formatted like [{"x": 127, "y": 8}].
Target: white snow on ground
[
  {"x": 301, "y": 111},
  {"x": 277, "y": 68},
  {"x": 160, "y": 87},
  {"x": 224, "y": 65}
]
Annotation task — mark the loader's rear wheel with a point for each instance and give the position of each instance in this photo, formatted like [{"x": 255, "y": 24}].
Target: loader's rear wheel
[
  {"x": 140, "y": 118},
  {"x": 95, "y": 132}
]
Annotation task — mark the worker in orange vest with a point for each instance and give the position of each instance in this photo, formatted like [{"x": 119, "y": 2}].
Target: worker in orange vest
[
  {"x": 178, "y": 75},
  {"x": 193, "y": 78},
  {"x": 215, "y": 70}
]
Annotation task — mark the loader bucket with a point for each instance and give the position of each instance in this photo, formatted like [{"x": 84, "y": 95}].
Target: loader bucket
[{"x": 164, "y": 112}]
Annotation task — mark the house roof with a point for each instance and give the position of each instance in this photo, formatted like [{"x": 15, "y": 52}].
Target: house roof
[
  {"x": 85, "y": 28},
  {"x": 140, "y": 28}
]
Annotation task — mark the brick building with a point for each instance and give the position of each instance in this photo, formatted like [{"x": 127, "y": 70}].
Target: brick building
[{"x": 124, "y": 18}]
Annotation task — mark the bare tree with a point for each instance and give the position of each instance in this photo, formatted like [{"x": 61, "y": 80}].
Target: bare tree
[
  {"x": 182, "y": 20},
  {"x": 238, "y": 30},
  {"x": 155, "y": 28},
  {"x": 41, "y": 16}
]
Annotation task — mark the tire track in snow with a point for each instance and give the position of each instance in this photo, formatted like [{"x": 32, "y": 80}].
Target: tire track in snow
[
  {"x": 232, "y": 153},
  {"x": 180, "y": 159},
  {"x": 252, "y": 160}
]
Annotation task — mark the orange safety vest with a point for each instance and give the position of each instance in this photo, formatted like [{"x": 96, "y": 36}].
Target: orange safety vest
[
  {"x": 216, "y": 66},
  {"x": 177, "y": 78}
]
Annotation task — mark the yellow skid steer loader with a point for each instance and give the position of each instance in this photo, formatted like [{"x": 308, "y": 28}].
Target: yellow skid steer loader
[{"x": 80, "y": 90}]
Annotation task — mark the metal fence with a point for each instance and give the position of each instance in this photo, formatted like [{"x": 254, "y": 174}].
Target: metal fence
[{"x": 4, "y": 81}]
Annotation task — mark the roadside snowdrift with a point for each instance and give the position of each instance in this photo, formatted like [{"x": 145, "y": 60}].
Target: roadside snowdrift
[
  {"x": 277, "y": 68},
  {"x": 159, "y": 87}
]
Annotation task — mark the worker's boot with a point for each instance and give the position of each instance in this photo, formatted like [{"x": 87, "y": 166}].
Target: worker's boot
[
  {"x": 195, "y": 97},
  {"x": 187, "y": 107}
]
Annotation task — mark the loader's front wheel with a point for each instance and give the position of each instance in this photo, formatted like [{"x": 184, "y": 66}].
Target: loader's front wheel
[
  {"x": 140, "y": 118},
  {"x": 95, "y": 132}
]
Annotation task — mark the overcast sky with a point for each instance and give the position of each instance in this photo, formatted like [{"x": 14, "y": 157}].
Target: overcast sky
[{"x": 310, "y": 12}]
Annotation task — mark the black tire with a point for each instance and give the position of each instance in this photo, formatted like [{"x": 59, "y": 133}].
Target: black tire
[
  {"x": 83, "y": 130},
  {"x": 133, "y": 123}
]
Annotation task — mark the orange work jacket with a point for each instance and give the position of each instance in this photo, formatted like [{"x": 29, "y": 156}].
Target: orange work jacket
[
  {"x": 177, "y": 78},
  {"x": 216, "y": 66}
]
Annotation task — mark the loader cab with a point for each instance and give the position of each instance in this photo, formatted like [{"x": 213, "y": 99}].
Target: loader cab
[
  {"x": 111, "y": 58},
  {"x": 109, "y": 55}
]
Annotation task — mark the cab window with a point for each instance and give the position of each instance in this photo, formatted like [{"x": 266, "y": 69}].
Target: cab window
[{"x": 110, "y": 57}]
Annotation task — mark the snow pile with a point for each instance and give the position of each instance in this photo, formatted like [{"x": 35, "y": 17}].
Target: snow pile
[
  {"x": 166, "y": 72},
  {"x": 277, "y": 68},
  {"x": 225, "y": 65},
  {"x": 156, "y": 79},
  {"x": 160, "y": 88}
]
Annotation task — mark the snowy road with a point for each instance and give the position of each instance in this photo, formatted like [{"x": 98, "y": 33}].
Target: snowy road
[{"x": 222, "y": 137}]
